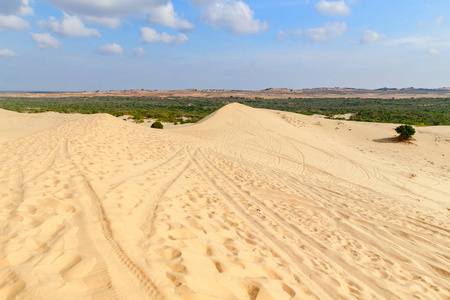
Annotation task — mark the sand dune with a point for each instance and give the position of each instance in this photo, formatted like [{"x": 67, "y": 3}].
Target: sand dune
[
  {"x": 14, "y": 125},
  {"x": 247, "y": 204}
]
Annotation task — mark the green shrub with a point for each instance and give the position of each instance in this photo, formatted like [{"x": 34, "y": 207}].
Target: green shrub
[
  {"x": 138, "y": 118},
  {"x": 158, "y": 125},
  {"x": 406, "y": 132}
]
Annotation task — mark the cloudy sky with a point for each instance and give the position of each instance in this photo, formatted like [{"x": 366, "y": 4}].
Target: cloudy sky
[{"x": 77, "y": 45}]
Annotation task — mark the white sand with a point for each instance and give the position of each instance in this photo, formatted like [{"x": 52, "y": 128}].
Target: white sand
[{"x": 248, "y": 204}]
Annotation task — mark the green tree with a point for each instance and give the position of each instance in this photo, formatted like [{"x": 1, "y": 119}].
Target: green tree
[
  {"x": 158, "y": 125},
  {"x": 406, "y": 132}
]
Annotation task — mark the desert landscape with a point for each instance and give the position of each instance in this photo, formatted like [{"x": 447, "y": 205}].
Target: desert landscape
[
  {"x": 246, "y": 204},
  {"x": 224, "y": 149},
  {"x": 269, "y": 93}
]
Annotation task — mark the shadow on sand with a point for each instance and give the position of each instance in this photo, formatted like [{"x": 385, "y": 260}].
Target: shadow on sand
[
  {"x": 387, "y": 140},
  {"x": 394, "y": 139}
]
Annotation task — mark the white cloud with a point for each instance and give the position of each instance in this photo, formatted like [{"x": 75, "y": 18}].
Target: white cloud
[
  {"x": 10, "y": 7},
  {"x": 110, "y": 49},
  {"x": 7, "y": 52},
  {"x": 439, "y": 20},
  {"x": 332, "y": 8},
  {"x": 236, "y": 16},
  {"x": 109, "y": 8},
  {"x": 370, "y": 36},
  {"x": 68, "y": 26},
  {"x": 140, "y": 51},
  {"x": 151, "y": 36},
  {"x": 203, "y": 2},
  {"x": 25, "y": 9},
  {"x": 328, "y": 31},
  {"x": 110, "y": 12},
  {"x": 15, "y": 7},
  {"x": 165, "y": 15},
  {"x": 283, "y": 35},
  {"x": 11, "y": 12},
  {"x": 13, "y": 22},
  {"x": 110, "y": 22},
  {"x": 45, "y": 40},
  {"x": 433, "y": 51}
]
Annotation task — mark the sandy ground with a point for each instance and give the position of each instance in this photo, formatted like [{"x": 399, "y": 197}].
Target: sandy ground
[{"x": 247, "y": 204}]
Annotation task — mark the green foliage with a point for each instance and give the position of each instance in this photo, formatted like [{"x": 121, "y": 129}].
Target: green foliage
[
  {"x": 406, "y": 132},
  {"x": 138, "y": 118},
  {"x": 425, "y": 111},
  {"x": 158, "y": 125}
]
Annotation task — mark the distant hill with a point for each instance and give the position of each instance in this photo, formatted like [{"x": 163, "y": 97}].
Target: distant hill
[{"x": 269, "y": 93}]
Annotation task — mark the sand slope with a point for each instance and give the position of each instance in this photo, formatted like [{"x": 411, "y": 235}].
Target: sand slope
[
  {"x": 14, "y": 125},
  {"x": 248, "y": 204}
]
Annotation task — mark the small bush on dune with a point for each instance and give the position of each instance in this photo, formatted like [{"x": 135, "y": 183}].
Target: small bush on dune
[
  {"x": 158, "y": 125},
  {"x": 406, "y": 132},
  {"x": 138, "y": 118}
]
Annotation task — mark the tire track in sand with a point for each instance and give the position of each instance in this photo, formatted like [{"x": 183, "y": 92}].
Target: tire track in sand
[
  {"x": 172, "y": 164},
  {"x": 146, "y": 283},
  {"x": 322, "y": 251},
  {"x": 322, "y": 289}
]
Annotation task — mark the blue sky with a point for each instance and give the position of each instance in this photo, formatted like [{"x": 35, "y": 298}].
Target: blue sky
[{"x": 77, "y": 45}]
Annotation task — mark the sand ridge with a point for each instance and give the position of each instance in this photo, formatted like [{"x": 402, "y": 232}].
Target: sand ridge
[
  {"x": 14, "y": 125},
  {"x": 247, "y": 204}
]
